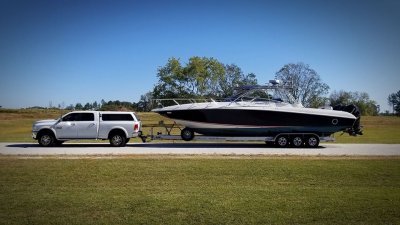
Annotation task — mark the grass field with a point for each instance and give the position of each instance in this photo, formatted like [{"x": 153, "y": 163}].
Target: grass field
[
  {"x": 15, "y": 126},
  {"x": 377, "y": 129},
  {"x": 200, "y": 190}
]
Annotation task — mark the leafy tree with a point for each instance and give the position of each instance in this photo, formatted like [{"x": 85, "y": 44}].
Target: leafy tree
[
  {"x": 102, "y": 103},
  {"x": 341, "y": 98},
  {"x": 204, "y": 74},
  {"x": 307, "y": 86},
  {"x": 87, "y": 106},
  {"x": 117, "y": 106},
  {"x": 394, "y": 101},
  {"x": 366, "y": 106},
  {"x": 78, "y": 106},
  {"x": 234, "y": 77},
  {"x": 95, "y": 105},
  {"x": 172, "y": 81},
  {"x": 200, "y": 77},
  {"x": 146, "y": 102}
]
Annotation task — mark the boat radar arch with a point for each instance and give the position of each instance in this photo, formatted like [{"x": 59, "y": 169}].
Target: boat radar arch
[{"x": 274, "y": 82}]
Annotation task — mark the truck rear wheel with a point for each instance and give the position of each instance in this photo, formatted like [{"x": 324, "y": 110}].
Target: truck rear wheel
[{"x": 117, "y": 139}]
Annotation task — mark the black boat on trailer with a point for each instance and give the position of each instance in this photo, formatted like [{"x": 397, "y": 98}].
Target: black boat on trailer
[{"x": 249, "y": 117}]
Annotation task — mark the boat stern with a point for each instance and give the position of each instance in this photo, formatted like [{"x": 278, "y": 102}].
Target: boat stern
[{"x": 356, "y": 128}]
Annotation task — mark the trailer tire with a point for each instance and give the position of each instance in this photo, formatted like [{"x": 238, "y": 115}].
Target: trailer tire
[
  {"x": 297, "y": 141},
  {"x": 312, "y": 141},
  {"x": 282, "y": 141},
  {"x": 187, "y": 134}
]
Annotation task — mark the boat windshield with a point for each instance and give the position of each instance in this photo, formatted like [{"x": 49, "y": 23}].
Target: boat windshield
[{"x": 262, "y": 94}]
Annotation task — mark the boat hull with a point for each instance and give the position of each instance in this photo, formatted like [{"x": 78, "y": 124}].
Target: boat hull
[{"x": 248, "y": 122}]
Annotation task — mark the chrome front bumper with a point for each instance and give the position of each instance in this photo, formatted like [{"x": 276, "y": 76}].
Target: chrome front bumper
[{"x": 34, "y": 135}]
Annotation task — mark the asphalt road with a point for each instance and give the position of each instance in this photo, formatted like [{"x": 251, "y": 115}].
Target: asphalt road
[{"x": 200, "y": 149}]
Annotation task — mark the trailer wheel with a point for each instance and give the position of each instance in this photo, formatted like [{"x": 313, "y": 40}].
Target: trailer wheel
[
  {"x": 297, "y": 141},
  {"x": 312, "y": 141},
  {"x": 187, "y": 134},
  {"x": 282, "y": 141}
]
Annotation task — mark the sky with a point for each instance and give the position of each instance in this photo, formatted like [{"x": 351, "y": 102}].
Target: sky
[{"x": 69, "y": 51}]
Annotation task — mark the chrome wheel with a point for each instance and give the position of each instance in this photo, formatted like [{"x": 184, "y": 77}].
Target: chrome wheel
[
  {"x": 312, "y": 141},
  {"x": 117, "y": 140},
  {"x": 297, "y": 141},
  {"x": 282, "y": 141},
  {"x": 46, "y": 140}
]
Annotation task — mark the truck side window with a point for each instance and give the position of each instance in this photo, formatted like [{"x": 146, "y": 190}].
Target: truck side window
[
  {"x": 79, "y": 117},
  {"x": 70, "y": 117},
  {"x": 117, "y": 117},
  {"x": 85, "y": 117}
]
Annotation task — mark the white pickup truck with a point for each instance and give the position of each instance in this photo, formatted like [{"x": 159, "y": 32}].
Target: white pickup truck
[{"x": 118, "y": 127}]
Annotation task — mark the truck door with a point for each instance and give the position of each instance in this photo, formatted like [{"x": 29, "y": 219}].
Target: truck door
[
  {"x": 66, "y": 128},
  {"x": 87, "y": 126}
]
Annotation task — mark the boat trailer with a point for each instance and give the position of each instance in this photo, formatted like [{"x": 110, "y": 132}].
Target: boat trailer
[{"x": 169, "y": 132}]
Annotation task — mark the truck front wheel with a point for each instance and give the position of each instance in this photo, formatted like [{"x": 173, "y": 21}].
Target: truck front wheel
[
  {"x": 117, "y": 140},
  {"x": 46, "y": 139}
]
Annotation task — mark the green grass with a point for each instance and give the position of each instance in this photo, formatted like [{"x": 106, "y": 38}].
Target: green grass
[
  {"x": 377, "y": 129},
  {"x": 15, "y": 126},
  {"x": 200, "y": 190}
]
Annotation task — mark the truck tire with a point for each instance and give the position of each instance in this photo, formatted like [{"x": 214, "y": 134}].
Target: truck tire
[
  {"x": 187, "y": 134},
  {"x": 46, "y": 139},
  {"x": 117, "y": 139}
]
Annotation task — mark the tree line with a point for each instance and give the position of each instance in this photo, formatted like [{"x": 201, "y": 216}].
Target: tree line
[
  {"x": 106, "y": 106},
  {"x": 203, "y": 77},
  {"x": 394, "y": 101}
]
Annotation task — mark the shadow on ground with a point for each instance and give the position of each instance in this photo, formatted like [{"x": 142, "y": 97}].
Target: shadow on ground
[{"x": 152, "y": 145}]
